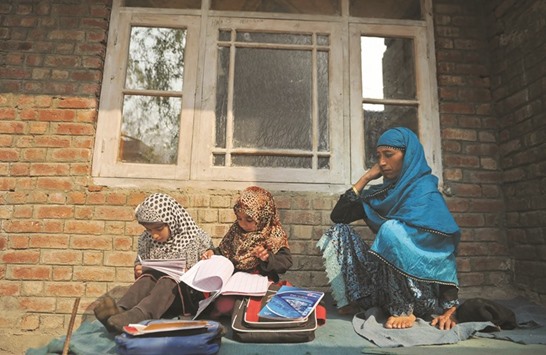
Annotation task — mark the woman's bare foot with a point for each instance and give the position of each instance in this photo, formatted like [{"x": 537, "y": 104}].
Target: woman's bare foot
[{"x": 400, "y": 322}]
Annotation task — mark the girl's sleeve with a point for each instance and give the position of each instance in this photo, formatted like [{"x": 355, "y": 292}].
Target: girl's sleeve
[
  {"x": 278, "y": 263},
  {"x": 142, "y": 249},
  {"x": 205, "y": 241},
  {"x": 348, "y": 208}
]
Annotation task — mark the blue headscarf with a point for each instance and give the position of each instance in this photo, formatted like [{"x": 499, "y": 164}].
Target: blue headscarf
[
  {"x": 413, "y": 196},
  {"x": 416, "y": 233}
]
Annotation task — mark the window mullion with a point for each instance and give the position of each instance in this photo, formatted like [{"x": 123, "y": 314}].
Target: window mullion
[
  {"x": 315, "y": 124},
  {"x": 230, "y": 116}
]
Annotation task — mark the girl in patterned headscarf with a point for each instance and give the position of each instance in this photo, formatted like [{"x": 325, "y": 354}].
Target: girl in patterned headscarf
[
  {"x": 256, "y": 242},
  {"x": 410, "y": 268},
  {"x": 170, "y": 233}
]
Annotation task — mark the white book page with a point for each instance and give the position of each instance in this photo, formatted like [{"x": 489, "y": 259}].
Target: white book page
[
  {"x": 246, "y": 284},
  {"x": 209, "y": 275}
]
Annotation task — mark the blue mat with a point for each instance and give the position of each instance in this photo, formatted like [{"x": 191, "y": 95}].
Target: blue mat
[{"x": 337, "y": 336}]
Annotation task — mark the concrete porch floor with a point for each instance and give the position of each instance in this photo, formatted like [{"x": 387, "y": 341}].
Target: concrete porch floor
[{"x": 337, "y": 336}]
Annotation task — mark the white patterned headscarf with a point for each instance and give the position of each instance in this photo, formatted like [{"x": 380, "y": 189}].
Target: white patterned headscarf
[{"x": 187, "y": 240}]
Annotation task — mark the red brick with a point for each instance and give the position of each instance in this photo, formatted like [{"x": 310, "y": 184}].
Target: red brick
[
  {"x": 61, "y": 273},
  {"x": 22, "y": 226},
  {"x": 86, "y": 273},
  {"x": 18, "y": 242},
  {"x": 64, "y": 289},
  {"x": 9, "y": 154},
  {"x": 63, "y": 257},
  {"x": 124, "y": 243},
  {"x": 21, "y": 257},
  {"x": 56, "y": 115},
  {"x": 84, "y": 227},
  {"x": 10, "y": 288},
  {"x": 60, "y": 183},
  {"x": 37, "y": 304},
  {"x": 30, "y": 272},
  {"x": 77, "y": 103},
  {"x": 459, "y": 134},
  {"x": 114, "y": 213},
  {"x": 119, "y": 258},
  {"x": 62, "y": 212},
  {"x": 91, "y": 242},
  {"x": 76, "y": 129}
]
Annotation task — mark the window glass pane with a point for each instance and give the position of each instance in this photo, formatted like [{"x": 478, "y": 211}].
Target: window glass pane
[
  {"x": 224, "y": 35},
  {"x": 378, "y": 118},
  {"x": 393, "y": 9},
  {"x": 272, "y": 101},
  {"x": 323, "y": 163},
  {"x": 219, "y": 160},
  {"x": 261, "y": 37},
  {"x": 312, "y": 7},
  {"x": 172, "y": 4},
  {"x": 323, "y": 98},
  {"x": 150, "y": 129},
  {"x": 222, "y": 96},
  {"x": 388, "y": 68},
  {"x": 272, "y": 161},
  {"x": 323, "y": 40},
  {"x": 156, "y": 59}
]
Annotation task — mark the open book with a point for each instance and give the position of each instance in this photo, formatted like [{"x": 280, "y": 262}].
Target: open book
[
  {"x": 215, "y": 275},
  {"x": 175, "y": 268},
  {"x": 292, "y": 303}
]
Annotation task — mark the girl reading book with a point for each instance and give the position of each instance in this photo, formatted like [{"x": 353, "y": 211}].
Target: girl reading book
[
  {"x": 256, "y": 242},
  {"x": 170, "y": 233}
]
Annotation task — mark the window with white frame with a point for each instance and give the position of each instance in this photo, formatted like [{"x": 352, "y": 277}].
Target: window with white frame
[
  {"x": 396, "y": 88},
  {"x": 211, "y": 96},
  {"x": 274, "y": 102}
]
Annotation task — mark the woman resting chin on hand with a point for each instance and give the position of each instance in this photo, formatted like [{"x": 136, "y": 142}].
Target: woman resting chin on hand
[{"x": 411, "y": 222}]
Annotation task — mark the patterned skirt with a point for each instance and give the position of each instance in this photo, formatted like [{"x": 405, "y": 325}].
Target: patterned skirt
[{"x": 358, "y": 276}]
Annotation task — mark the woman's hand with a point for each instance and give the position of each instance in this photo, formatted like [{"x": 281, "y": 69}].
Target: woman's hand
[
  {"x": 445, "y": 321},
  {"x": 138, "y": 271},
  {"x": 372, "y": 174},
  {"x": 207, "y": 254},
  {"x": 261, "y": 253}
]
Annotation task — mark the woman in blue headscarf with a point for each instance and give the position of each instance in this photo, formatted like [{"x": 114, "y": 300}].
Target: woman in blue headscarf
[{"x": 409, "y": 270}]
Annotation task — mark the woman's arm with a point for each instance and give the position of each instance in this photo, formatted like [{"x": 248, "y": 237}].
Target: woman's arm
[
  {"x": 349, "y": 206},
  {"x": 449, "y": 300}
]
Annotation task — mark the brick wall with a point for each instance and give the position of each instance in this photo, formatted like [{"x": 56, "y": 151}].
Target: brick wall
[
  {"x": 518, "y": 82},
  {"x": 63, "y": 237},
  {"x": 469, "y": 142}
]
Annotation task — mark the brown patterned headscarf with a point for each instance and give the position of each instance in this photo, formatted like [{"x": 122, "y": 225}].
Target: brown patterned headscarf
[{"x": 237, "y": 245}]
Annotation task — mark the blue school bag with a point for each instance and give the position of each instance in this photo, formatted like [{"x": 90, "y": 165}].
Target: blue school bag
[{"x": 186, "y": 342}]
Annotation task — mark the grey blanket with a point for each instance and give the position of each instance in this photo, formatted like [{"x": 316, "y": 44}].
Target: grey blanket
[
  {"x": 369, "y": 325},
  {"x": 531, "y": 320}
]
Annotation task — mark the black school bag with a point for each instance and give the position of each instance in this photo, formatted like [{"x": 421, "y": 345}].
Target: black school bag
[{"x": 247, "y": 327}]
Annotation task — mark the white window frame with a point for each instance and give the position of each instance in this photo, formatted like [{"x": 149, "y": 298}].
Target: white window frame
[
  {"x": 202, "y": 163},
  {"x": 105, "y": 160},
  {"x": 194, "y": 167},
  {"x": 426, "y": 93}
]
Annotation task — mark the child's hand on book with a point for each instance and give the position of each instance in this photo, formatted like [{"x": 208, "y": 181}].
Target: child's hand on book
[
  {"x": 138, "y": 271},
  {"x": 207, "y": 254},
  {"x": 261, "y": 253}
]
